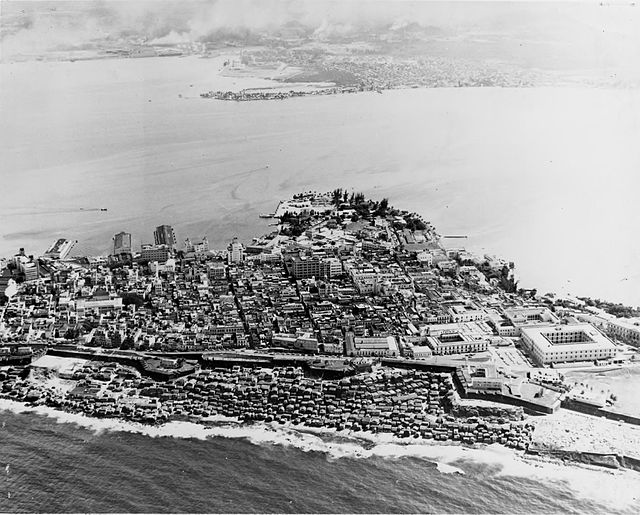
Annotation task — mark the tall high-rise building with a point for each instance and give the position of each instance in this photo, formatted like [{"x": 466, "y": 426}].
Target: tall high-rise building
[
  {"x": 164, "y": 235},
  {"x": 235, "y": 252},
  {"x": 122, "y": 243}
]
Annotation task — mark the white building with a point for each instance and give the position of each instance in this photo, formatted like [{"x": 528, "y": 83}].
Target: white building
[
  {"x": 216, "y": 270},
  {"x": 419, "y": 351},
  {"x": 466, "y": 313},
  {"x": 530, "y": 317},
  {"x": 304, "y": 342},
  {"x": 169, "y": 266},
  {"x": 455, "y": 342},
  {"x": 375, "y": 346},
  {"x": 625, "y": 329},
  {"x": 98, "y": 304},
  {"x": 198, "y": 248},
  {"x": 485, "y": 377},
  {"x": 567, "y": 343},
  {"x": 60, "y": 249},
  {"x": 425, "y": 257},
  {"x": 334, "y": 266},
  {"x": 365, "y": 280},
  {"x": 235, "y": 252},
  {"x": 447, "y": 265},
  {"x": 30, "y": 271}
]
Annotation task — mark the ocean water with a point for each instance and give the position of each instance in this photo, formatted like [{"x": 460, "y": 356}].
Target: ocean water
[
  {"x": 66, "y": 463},
  {"x": 545, "y": 177}
]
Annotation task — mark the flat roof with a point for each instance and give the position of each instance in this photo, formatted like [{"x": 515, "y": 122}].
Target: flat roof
[
  {"x": 627, "y": 323},
  {"x": 57, "y": 245},
  {"x": 540, "y": 340}
]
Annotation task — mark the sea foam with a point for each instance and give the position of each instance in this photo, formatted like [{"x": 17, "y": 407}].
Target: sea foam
[{"x": 617, "y": 489}]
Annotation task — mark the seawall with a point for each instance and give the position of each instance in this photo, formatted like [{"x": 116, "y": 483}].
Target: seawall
[
  {"x": 599, "y": 412},
  {"x": 607, "y": 460}
]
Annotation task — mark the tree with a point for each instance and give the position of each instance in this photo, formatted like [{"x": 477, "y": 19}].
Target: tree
[
  {"x": 337, "y": 196},
  {"x": 132, "y": 298},
  {"x": 383, "y": 206},
  {"x": 71, "y": 334},
  {"x": 127, "y": 343}
]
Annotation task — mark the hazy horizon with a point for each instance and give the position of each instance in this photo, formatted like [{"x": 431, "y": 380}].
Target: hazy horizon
[{"x": 575, "y": 37}]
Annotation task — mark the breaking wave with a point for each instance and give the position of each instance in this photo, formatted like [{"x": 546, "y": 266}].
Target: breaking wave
[{"x": 618, "y": 489}]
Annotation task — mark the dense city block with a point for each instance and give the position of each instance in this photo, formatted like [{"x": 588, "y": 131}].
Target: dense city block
[{"x": 351, "y": 314}]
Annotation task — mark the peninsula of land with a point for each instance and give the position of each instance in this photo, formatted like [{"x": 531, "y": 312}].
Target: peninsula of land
[{"x": 350, "y": 316}]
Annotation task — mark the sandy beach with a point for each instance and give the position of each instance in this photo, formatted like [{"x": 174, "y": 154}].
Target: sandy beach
[{"x": 568, "y": 430}]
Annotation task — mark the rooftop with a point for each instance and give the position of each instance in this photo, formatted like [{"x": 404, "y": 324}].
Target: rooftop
[{"x": 575, "y": 336}]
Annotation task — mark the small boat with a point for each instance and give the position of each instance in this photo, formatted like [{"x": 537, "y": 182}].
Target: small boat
[{"x": 103, "y": 209}]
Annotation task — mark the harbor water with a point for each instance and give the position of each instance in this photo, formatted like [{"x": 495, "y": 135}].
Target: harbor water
[{"x": 544, "y": 177}]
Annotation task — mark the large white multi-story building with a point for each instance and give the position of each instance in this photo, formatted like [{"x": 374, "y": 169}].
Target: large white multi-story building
[
  {"x": 529, "y": 317},
  {"x": 455, "y": 342},
  {"x": 235, "y": 252},
  {"x": 466, "y": 313},
  {"x": 99, "y": 304},
  {"x": 383, "y": 346},
  {"x": 625, "y": 329},
  {"x": 316, "y": 266},
  {"x": 567, "y": 343}
]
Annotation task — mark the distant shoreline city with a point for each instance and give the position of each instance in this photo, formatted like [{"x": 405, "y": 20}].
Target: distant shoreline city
[{"x": 350, "y": 315}]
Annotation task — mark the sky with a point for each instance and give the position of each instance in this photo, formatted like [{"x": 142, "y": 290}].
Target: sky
[{"x": 536, "y": 34}]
